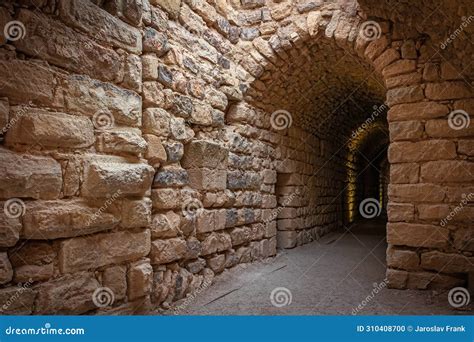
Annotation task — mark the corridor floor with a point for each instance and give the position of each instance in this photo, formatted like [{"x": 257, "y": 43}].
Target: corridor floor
[{"x": 332, "y": 276}]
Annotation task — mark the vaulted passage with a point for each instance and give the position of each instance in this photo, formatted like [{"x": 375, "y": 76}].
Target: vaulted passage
[{"x": 149, "y": 148}]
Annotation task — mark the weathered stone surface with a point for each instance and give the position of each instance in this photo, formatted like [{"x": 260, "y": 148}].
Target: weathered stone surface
[
  {"x": 25, "y": 175},
  {"x": 442, "y": 129},
  {"x": 207, "y": 179},
  {"x": 165, "y": 251},
  {"x": 156, "y": 121},
  {"x": 406, "y": 130},
  {"x": 121, "y": 141},
  {"x": 404, "y": 95},
  {"x": 400, "y": 212},
  {"x": 81, "y": 94},
  {"x": 100, "y": 25},
  {"x": 17, "y": 300},
  {"x": 155, "y": 42},
  {"x": 417, "y": 111},
  {"x": 140, "y": 279},
  {"x": 447, "y": 262},
  {"x": 404, "y": 173},
  {"x": 136, "y": 213},
  {"x": 66, "y": 47},
  {"x": 115, "y": 278},
  {"x": 416, "y": 193},
  {"x": 9, "y": 228},
  {"x": 405, "y": 152},
  {"x": 404, "y": 259},
  {"x": 286, "y": 239},
  {"x": 170, "y": 6},
  {"x": 243, "y": 180},
  {"x": 102, "y": 249},
  {"x": 37, "y": 126},
  {"x": 447, "y": 91},
  {"x": 417, "y": 235},
  {"x": 6, "y": 271},
  {"x": 165, "y": 225},
  {"x": 174, "y": 151},
  {"x": 205, "y": 154},
  {"x": 216, "y": 242},
  {"x": 170, "y": 176},
  {"x": 155, "y": 153},
  {"x": 447, "y": 172},
  {"x": 210, "y": 220},
  {"x": 59, "y": 219},
  {"x": 69, "y": 294},
  {"x": 104, "y": 179}
]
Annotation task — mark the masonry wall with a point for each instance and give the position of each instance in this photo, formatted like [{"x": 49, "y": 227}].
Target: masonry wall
[{"x": 135, "y": 158}]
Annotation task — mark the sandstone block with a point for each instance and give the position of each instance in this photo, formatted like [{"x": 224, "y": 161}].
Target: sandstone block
[
  {"x": 447, "y": 262},
  {"x": 402, "y": 259},
  {"x": 104, "y": 179},
  {"x": 205, "y": 154},
  {"x": 416, "y": 193},
  {"x": 155, "y": 153},
  {"x": 165, "y": 225},
  {"x": 404, "y": 95},
  {"x": 60, "y": 219},
  {"x": 121, "y": 141},
  {"x": 69, "y": 294},
  {"x": 441, "y": 129},
  {"x": 447, "y": 171},
  {"x": 207, "y": 179},
  {"x": 81, "y": 94},
  {"x": 400, "y": 212},
  {"x": 166, "y": 251},
  {"x": 115, "y": 278},
  {"x": 155, "y": 42},
  {"x": 9, "y": 228},
  {"x": 286, "y": 239},
  {"x": 404, "y": 173},
  {"x": 17, "y": 300},
  {"x": 417, "y": 235},
  {"x": 170, "y": 176},
  {"x": 136, "y": 213},
  {"x": 406, "y": 152},
  {"x": 29, "y": 176},
  {"x": 417, "y": 111},
  {"x": 156, "y": 121},
  {"x": 140, "y": 279},
  {"x": 447, "y": 91},
  {"x": 102, "y": 249},
  {"x": 6, "y": 271},
  {"x": 100, "y": 24},
  {"x": 61, "y": 45},
  {"x": 216, "y": 242},
  {"x": 405, "y": 130}
]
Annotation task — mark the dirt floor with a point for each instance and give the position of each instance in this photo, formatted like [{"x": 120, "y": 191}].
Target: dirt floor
[{"x": 342, "y": 274}]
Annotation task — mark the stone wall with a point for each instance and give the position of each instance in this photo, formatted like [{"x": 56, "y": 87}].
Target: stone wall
[{"x": 142, "y": 150}]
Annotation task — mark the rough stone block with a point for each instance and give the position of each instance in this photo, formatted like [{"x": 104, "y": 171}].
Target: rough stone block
[
  {"x": 100, "y": 24},
  {"x": 205, "y": 154},
  {"x": 207, "y": 179},
  {"x": 417, "y": 111},
  {"x": 140, "y": 279},
  {"x": 102, "y": 249},
  {"x": 69, "y": 294},
  {"x": 104, "y": 179},
  {"x": 166, "y": 251},
  {"x": 6, "y": 271},
  {"x": 417, "y": 235},
  {"x": 45, "y": 220},
  {"x": 29, "y": 176},
  {"x": 121, "y": 141},
  {"x": 170, "y": 176},
  {"x": 115, "y": 278},
  {"x": 416, "y": 193},
  {"x": 406, "y": 152},
  {"x": 136, "y": 214},
  {"x": 165, "y": 225},
  {"x": 17, "y": 300},
  {"x": 447, "y": 171}
]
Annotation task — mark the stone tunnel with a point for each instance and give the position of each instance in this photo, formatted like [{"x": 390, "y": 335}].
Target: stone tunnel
[{"x": 149, "y": 145}]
